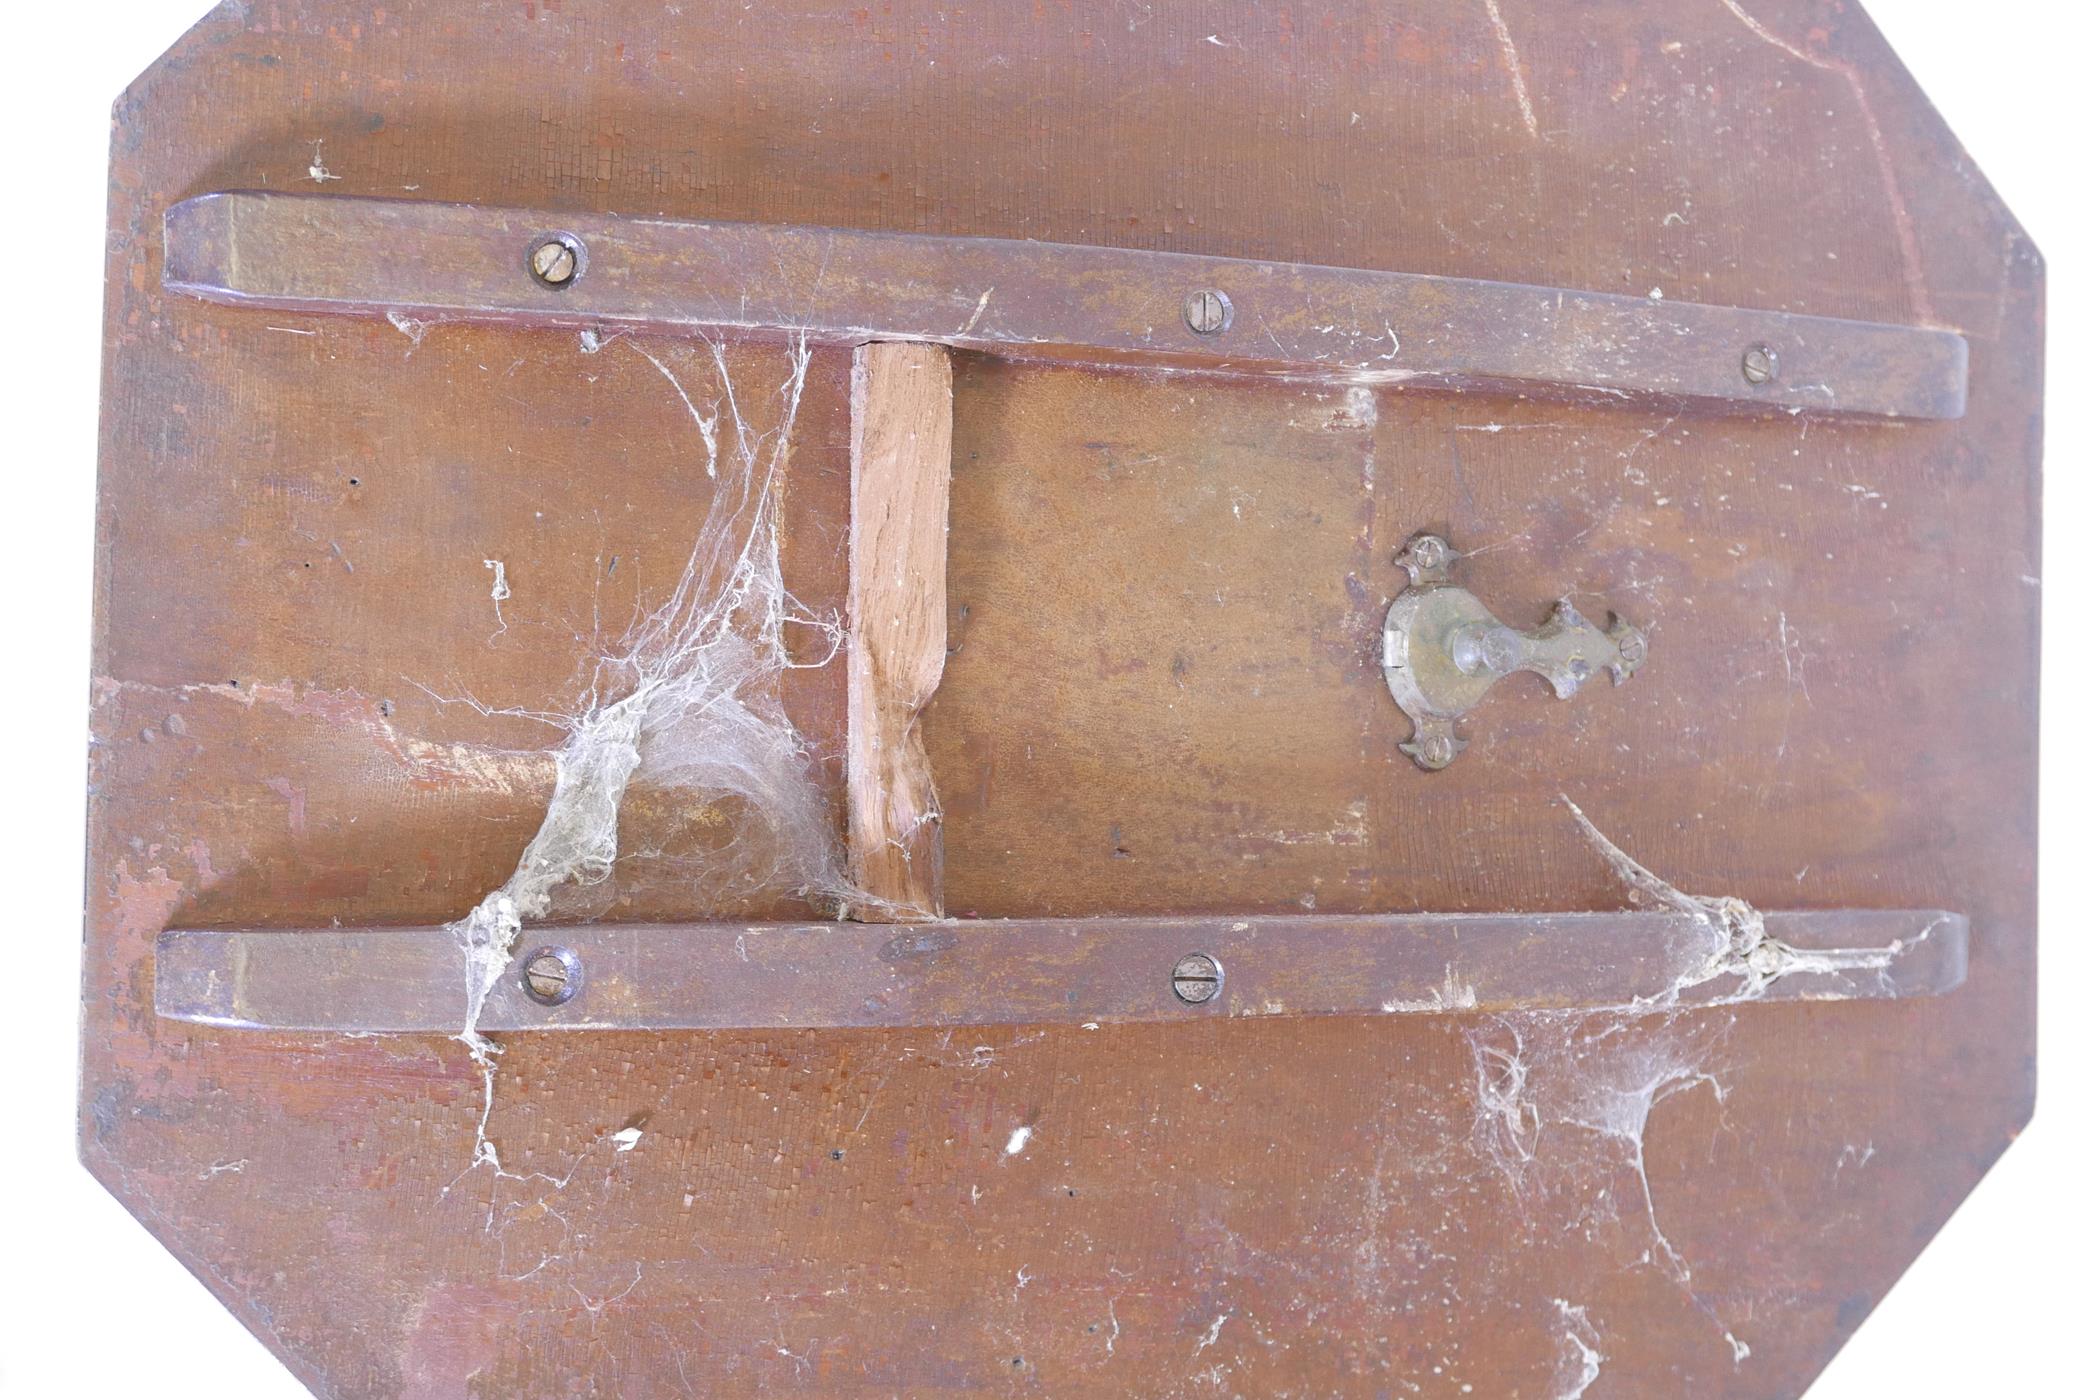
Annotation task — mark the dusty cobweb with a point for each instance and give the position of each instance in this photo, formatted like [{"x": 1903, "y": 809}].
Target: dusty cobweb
[{"x": 687, "y": 702}]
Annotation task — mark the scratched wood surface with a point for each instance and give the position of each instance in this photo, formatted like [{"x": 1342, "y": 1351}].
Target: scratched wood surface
[{"x": 1162, "y": 695}]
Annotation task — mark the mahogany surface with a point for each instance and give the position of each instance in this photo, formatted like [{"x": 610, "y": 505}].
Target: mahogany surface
[{"x": 1162, "y": 697}]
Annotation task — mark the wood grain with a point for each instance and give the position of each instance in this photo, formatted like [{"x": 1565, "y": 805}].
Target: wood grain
[
  {"x": 1163, "y": 699},
  {"x": 903, "y": 424}
]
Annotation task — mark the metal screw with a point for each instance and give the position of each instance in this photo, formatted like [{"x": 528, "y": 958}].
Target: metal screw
[
  {"x": 552, "y": 976},
  {"x": 1197, "y": 978},
  {"x": 556, "y": 259},
  {"x": 1425, "y": 554},
  {"x": 1434, "y": 750},
  {"x": 1760, "y": 363},
  {"x": 1207, "y": 311}
]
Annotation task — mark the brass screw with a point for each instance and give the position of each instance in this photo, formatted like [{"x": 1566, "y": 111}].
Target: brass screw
[
  {"x": 1760, "y": 363},
  {"x": 1435, "y": 750},
  {"x": 552, "y": 976},
  {"x": 1206, "y": 312},
  {"x": 1424, "y": 555},
  {"x": 1197, "y": 978},
  {"x": 554, "y": 261}
]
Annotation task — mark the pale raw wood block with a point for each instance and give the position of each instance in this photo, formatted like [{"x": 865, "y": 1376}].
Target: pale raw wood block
[{"x": 902, "y": 428}]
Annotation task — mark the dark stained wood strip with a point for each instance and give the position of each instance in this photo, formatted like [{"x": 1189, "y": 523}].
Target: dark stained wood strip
[
  {"x": 1046, "y": 971},
  {"x": 425, "y": 260}
]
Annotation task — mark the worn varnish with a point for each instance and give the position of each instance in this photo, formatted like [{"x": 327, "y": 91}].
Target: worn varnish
[{"x": 1161, "y": 697}]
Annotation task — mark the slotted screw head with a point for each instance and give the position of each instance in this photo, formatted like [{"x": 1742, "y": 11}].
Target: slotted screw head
[
  {"x": 1207, "y": 311},
  {"x": 1434, "y": 750},
  {"x": 1424, "y": 555},
  {"x": 1760, "y": 363},
  {"x": 552, "y": 975},
  {"x": 555, "y": 261},
  {"x": 1197, "y": 978}
]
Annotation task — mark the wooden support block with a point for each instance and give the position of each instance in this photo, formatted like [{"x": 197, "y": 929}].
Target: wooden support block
[{"x": 902, "y": 425}]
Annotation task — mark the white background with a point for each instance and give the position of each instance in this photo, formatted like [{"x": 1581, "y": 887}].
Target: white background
[{"x": 2002, "y": 1304}]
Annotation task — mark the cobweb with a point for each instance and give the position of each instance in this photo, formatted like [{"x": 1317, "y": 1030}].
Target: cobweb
[{"x": 688, "y": 702}]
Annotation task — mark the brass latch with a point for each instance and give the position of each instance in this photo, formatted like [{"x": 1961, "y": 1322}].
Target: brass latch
[{"x": 1444, "y": 650}]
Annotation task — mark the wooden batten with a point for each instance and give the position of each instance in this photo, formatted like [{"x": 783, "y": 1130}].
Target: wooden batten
[{"x": 902, "y": 428}]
